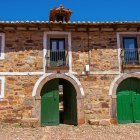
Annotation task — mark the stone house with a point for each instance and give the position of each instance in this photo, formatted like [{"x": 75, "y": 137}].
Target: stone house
[{"x": 59, "y": 71}]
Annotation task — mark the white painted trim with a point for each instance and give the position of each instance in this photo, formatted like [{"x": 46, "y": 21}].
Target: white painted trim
[
  {"x": 104, "y": 72},
  {"x": 119, "y": 51},
  {"x": 45, "y": 39},
  {"x": 72, "y": 72},
  {"x": 2, "y": 87},
  {"x": 2, "y": 46},
  {"x": 21, "y": 73},
  {"x": 131, "y": 33},
  {"x": 44, "y": 50},
  {"x": 56, "y": 33},
  {"x": 69, "y": 52}
]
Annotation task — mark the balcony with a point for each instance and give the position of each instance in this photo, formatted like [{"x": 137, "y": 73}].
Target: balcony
[
  {"x": 57, "y": 60},
  {"x": 130, "y": 58}
]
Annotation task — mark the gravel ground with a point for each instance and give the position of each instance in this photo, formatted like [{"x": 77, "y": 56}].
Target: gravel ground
[{"x": 65, "y": 132}]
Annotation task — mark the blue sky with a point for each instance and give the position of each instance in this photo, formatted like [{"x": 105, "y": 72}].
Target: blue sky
[{"x": 83, "y": 10}]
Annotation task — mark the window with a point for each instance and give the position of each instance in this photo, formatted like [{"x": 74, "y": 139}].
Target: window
[
  {"x": 2, "y": 44},
  {"x": 60, "y": 18},
  {"x": 57, "y": 52},
  {"x": 130, "y": 50},
  {"x": 2, "y": 82}
]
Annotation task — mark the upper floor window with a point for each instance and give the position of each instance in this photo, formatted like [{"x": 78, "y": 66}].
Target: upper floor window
[
  {"x": 2, "y": 44},
  {"x": 57, "y": 52},
  {"x": 130, "y": 49}
]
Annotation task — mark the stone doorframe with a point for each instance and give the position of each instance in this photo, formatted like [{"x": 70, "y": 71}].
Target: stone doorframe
[
  {"x": 67, "y": 76},
  {"x": 113, "y": 89}
]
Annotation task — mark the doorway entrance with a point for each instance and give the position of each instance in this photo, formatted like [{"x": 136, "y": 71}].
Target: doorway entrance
[
  {"x": 58, "y": 103},
  {"x": 128, "y": 101}
]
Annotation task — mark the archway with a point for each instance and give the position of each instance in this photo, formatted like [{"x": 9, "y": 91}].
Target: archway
[
  {"x": 64, "y": 79},
  {"x": 124, "y": 82},
  {"x": 58, "y": 103}
]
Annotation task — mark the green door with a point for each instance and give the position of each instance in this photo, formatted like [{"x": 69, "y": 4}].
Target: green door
[
  {"x": 128, "y": 107},
  {"x": 136, "y": 108},
  {"x": 124, "y": 107},
  {"x": 128, "y": 101},
  {"x": 50, "y": 103}
]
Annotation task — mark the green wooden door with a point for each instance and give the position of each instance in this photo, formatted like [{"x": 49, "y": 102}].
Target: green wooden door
[
  {"x": 128, "y": 101},
  {"x": 70, "y": 104},
  {"x": 124, "y": 107},
  {"x": 128, "y": 107},
  {"x": 136, "y": 107},
  {"x": 50, "y": 103}
]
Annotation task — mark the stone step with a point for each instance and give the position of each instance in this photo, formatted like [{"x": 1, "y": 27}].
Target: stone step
[
  {"x": 103, "y": 122},
  {"x": 30, "y": 122}
]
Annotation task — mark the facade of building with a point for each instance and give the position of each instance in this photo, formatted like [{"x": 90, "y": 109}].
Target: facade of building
[{"x": 59, "y": 71}]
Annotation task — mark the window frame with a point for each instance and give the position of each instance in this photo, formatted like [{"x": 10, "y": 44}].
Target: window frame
[
  {"x": 2, "y": 45},
  {"x": 46, "y": 43},
  {"x": 2, "y": 79},
  {"x": 119, "y": 36}
]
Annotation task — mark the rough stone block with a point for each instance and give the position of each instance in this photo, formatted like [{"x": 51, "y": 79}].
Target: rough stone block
[
  {"x": 113, "y": 121},
  {"x": 29, "y": 122},
  {"x": 104, "y": 105},
  {"x": 104, "y": 122},
  {"x": 93, "y": 122}
]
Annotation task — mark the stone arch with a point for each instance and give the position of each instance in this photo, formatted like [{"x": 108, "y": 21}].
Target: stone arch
[
  {"x": 113, "y": 89},
  {"x": 114, "y": 85},
  {"x": 69, "y": 77}
]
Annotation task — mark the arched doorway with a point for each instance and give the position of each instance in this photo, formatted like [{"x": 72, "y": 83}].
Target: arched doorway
[
  {"x": 128, "y": 101},
  {"x": 58, "y": 103},
  {"x": 66, "y": 79}
]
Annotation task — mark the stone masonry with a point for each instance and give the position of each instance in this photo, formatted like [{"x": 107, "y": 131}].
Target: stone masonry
[{"x": 24, "y": 53}]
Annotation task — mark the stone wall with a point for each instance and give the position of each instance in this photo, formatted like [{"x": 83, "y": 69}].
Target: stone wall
[
  {"x": 97, "y": 101},
  {"x": 99, "y": 49},
  {"x": 79, "y": 51},
  {"x": 23, "y": 52},
  {"x": 18, "y": 100},
  {"x": 19, "y": 103}
]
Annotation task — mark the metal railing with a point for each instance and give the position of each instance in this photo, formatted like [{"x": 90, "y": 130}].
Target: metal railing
[
  {"x": 130, "y": 56},
  {"x": 56, "y": 58}
]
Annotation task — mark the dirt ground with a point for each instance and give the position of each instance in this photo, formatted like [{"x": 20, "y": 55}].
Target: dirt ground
[{"x": 65, "y": 132}]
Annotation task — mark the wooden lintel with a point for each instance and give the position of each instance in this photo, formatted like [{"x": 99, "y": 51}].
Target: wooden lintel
[
  {"x": 33, "y": 28},
  {"x": 107, "y": 29},
  {"x": 21, "y": 28},
  {"x": 9, "y": 28}
]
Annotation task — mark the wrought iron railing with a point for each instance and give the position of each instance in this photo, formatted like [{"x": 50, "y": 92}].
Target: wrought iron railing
[
  {"x": 130, "y": 56},
  {"x": 56, "y": 58}
]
